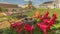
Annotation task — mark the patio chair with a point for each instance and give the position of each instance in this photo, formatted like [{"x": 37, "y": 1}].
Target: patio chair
[
  {"x": 37, "y": 14},
  {"x": 29, "y": 28},
  {"x": 44, "y": 18},
  {"x": 45, "y": 15},
  {"x": 17, "y": 25},
  {"x": 12, "y": 25},
  {"x": 45, "y": 27}
]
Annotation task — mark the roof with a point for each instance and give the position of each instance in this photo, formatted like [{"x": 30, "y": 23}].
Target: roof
[{"x": 48, "y": 2}]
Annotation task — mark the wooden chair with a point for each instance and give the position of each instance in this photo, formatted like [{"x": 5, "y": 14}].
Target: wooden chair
[
  {"x": 45, "y": 27},
  {"x": 29, "y": 28}
]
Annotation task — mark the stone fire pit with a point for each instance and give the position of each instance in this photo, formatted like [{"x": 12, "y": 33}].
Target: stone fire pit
[{"x": 28, "y": 20}]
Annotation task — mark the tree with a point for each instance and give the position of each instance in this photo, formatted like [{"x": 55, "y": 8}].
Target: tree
[
  {"x": 1, "y": 9},
  {"x": 30, "y": 4}
]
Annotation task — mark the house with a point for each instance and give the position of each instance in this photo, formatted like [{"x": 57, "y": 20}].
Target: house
[
  {"x": 50, "y": 4},
  {"x": 23, "y": 6},
  {"x": 57, "y": 3},
  {"x": 47, "y": 5}
]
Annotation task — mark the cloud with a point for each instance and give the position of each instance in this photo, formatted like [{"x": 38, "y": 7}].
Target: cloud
[
  {"x": 2, "y": 0},
  {"x": 30, "y": 0},
  {"x": 27, "y": 0}
]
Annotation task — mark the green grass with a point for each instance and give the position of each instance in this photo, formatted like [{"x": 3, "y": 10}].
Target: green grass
[
  {"x": 55, "y": 28},
  {"x": 51, "y": 11},
  {"x": 4, "y": 18}
]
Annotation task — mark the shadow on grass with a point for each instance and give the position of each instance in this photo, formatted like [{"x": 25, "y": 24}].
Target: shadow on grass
[
  {"x": 57, "y": 21},
  {"x": 56, "y": 30}
]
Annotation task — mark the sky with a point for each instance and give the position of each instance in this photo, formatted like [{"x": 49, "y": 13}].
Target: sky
[{"x": 21, "y": 2}]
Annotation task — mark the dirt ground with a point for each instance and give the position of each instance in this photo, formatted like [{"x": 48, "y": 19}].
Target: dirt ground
[{"x": 4, "y": 25}]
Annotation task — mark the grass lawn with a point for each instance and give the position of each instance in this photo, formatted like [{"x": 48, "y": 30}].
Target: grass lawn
[{"x": 55, "y": 28}]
